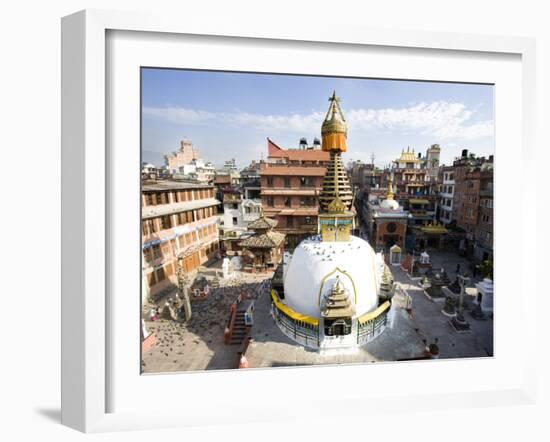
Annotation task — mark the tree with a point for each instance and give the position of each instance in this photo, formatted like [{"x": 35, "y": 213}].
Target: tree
[{"x": 487, "y": 269}]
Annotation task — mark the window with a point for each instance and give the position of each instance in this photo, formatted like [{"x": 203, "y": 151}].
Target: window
[
  {"x": 287, "y": 181},
  {"x": 289, "y": 221},
  {"x": 307, "y": 201},
  {"x": 166, "y": 222},
  {"x": 235, "y": 221},
  {"x": 160, "y": 274},
  {"x": 150, "y": 199},
  {"x": 287, "y": 201},
  {"x": 155, "y": 251},
  {"x": 269, "y": 181},
  {"x": 269, "y": 201},
  {"x": 306, "y": 181},
  {"x": 235, "y": 206}
]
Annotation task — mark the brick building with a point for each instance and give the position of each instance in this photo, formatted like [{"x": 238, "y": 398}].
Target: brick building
[
  {"x": 179, "y": 227},
  {"x": 473, "y": 204},
  {"x": 185, "y": 155},
  {"x": 484, "y": 230},
  {"x": 291, "y": 180}
]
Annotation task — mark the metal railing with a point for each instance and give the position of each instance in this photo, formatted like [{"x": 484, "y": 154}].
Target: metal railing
[
  {"x": 300, "y": 331},
  {"x": 372, "y": 328}
]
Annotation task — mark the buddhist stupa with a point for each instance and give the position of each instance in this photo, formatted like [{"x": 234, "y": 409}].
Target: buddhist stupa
[{"x": 337, "y": 290}]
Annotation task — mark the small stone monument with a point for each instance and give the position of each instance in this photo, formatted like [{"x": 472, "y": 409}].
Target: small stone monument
[
  {"x": 395, "y": 255},
  {"x": 227, "y": 269},
  {"x": 424, "y": 258},
  {"x": 438, "y": 280},
  {"x": 449, "y": 309},
  {"x": 237, "y": 263},
  {"x": 485, "y": 289}
]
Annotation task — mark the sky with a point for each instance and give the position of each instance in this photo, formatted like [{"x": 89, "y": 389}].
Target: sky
[{"x": 230, "y": 115}]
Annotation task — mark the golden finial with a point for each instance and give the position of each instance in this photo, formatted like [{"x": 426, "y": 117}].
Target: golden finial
[{"x": 334, "y": 129}]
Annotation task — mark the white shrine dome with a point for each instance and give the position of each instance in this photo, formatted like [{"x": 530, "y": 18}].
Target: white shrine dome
[
  {"x": 315, "y": 266},
  {"x": 389, "y": 204}
]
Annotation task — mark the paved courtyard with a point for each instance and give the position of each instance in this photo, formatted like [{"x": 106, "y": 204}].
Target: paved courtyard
[{"x": 199, "y": 344}]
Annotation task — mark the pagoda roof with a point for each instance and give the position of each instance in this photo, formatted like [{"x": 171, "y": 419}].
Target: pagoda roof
[
  {"x": 338, "y": 304},
  {"x": 419, "y": 201},
  {"x": 434, "y": 228},
  {"x": 262, "y": 223},
  {"x": 266, "y": 240},
  {"x": 407, "y": 156}
]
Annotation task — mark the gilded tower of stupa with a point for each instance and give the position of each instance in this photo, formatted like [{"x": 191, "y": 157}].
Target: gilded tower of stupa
[{"x": 335, "y": 215}]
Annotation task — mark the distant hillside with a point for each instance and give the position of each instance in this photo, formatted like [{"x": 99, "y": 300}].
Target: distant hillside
[{"x": 156, "y": 158}]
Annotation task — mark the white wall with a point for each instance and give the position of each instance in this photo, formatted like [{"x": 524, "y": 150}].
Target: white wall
[{"x": 30, "y": 116}]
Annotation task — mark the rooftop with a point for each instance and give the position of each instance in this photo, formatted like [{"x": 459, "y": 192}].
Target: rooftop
[
  {"x": 158, "y": 186},
  {"x": 262, "y": 223},
  {"x": 148, "y": 212},
  {"x": 274, "y": 151}
]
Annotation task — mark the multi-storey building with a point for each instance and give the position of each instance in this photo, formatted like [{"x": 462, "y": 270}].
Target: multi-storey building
[
  {"x": 198, "y": 170},
  {"x": 291, "y": 180},
  {"x": 185, "y": 155},
  {"x": 364, "y": 176},
  {"x": 250, "y": 180},
  {"x": 238, "y": 213},
  {"x": 414, "y": 191},
  {"x": 483, "y": 249},
  {"x": 472, "y": 176},
  {"x": 179, "y": 228},
  {"x": 433, "y": 154},
  {"x": 466, "y": 199},
  {"x": 410, "y": 176},
  {"x": 446, "y": 194}
]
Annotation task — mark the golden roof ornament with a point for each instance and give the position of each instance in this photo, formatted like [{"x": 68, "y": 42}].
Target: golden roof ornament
[
  {"x": 334, "y": 129},
  {"x": 336, "y": 206}
]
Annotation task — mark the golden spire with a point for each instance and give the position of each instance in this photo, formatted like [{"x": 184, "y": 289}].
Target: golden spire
[
  {"x": 334, "y": 129},
  {"x": 335, "y": 217}
]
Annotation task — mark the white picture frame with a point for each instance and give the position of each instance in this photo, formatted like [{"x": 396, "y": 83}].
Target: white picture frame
[{"x": 86, "y": 315}]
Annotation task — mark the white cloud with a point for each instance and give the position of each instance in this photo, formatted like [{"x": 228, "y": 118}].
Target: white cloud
[{"x": 440, "y": 120}]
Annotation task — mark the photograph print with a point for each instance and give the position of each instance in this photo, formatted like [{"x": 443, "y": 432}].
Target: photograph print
[{"x": 300, "y": 220}]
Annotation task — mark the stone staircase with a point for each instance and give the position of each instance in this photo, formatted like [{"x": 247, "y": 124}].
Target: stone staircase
[{"x": 239, "y": 329}]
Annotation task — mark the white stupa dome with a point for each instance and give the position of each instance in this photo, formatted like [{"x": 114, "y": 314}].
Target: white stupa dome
[
  {"x": 315, "y": 266},
  {"x": 389, "y": 204}
]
